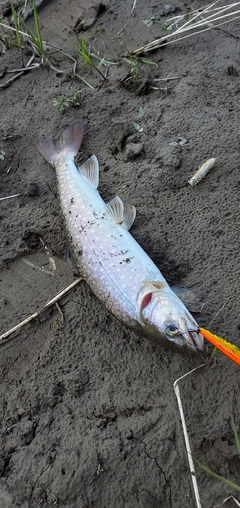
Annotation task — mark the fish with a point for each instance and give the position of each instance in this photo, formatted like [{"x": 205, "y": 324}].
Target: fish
[{"x": 119, "y": 272}]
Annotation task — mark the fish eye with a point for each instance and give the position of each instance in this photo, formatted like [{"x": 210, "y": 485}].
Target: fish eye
[{"x": 172, "y": 330}]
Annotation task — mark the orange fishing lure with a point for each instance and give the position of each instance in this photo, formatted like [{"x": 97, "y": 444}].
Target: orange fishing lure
[{"x": 228, "y": 348}]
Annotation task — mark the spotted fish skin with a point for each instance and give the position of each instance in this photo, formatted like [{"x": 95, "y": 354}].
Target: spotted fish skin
[
  {"x": 107, "y": 255},
  {"x": 117, "y": 269}
]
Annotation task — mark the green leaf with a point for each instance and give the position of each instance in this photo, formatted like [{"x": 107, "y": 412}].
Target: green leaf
[
  {"x": 148, "y": 22},
  {"x": 147, "y": 61},
  {"x": 166, "y": 26},
  {"x": 16, "y": 25},
  {"x": 137, "y": 127},
  {"x": 237, "y": 438},
  {"x": 37, "y": 26},
  {"x": 217, "y": 476}
]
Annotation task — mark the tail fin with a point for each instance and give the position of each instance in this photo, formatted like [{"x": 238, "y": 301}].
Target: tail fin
[{"x": 67, "y": 144}]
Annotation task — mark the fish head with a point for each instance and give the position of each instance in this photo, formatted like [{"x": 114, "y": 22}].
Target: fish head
[{"x": 166, "y": 320}]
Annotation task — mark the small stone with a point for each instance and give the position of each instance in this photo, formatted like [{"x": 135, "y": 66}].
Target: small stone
[
  {"x": 101, "y": 423},
  {"x": 32, "y": 189},
  {"x": 170, "y": 9},
  {"x": 77, "y": 380},
  {"x": 46, "y": 420},
  {"x": 133, "y": 150},
  {"x": 21, "y": 411},
  {"x": 55, "y": 394},
  {"x": 27, "y": 430},
  {"x": 90, "y": 17}
]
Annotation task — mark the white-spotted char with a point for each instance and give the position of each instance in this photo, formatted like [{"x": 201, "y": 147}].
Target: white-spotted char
[{"x": 117, "y": 269}]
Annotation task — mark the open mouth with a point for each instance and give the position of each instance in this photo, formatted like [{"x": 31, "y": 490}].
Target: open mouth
[
  {"x": 193, "y": 339},
  {"x": 196, "y": 340}
]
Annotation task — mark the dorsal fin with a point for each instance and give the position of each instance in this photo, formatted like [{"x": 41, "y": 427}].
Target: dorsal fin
[
  {"x": 115, "y": 209},
  {"x": 129, "y": 215},
  {"x": 90, "y": 170}
]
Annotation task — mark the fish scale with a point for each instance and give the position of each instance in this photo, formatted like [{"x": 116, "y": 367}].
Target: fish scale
[
  {"x": 111, "y": 260},
  {"x": 117, "y": 269}
]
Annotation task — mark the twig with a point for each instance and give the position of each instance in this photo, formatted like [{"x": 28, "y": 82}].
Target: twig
[
  {"x": 187, "y": 443},
  {"x": 213, "y": 21},
  {"x": 60, "y": 312},
  {"x": 40, "y": 268},
  {"x": 10, "y": 197},
  {"x": 34, "y": 66},
  {"x": 168, "y": 78},
  {"x": 36, "y": 314},
  {"x": 119, "y": 34},
  {"x": 26, "y": 69},
  {"x": 218, "y": 312},
  {"x": 134, "y": 5},
  {"x": 226, "y": 500}
]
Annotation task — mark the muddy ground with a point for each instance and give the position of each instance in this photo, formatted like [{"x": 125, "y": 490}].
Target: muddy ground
[{"x": 89, "y": 416}]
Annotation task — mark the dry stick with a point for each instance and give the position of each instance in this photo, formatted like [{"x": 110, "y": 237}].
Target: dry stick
[
  {"x": 40, "y": 268},
  {"x": 226, "y": 500},
  {"x": 186, "y": 28},
  {"x": 134, "y": 5},
  {"x": 26, "y": 69},
  {"x": 168, "y": 78},
  {"x": 152, "y": 45},
  {"x": 155, "y": 46},
  {"x": 36, "y": 314},
  {"x": 10, "y": 197},
  {"x": 34, "y": 66},
  {"x": 187, "y": 443}
]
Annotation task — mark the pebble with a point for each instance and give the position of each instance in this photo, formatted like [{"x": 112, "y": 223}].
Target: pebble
[{"x": 133, "y": 150}]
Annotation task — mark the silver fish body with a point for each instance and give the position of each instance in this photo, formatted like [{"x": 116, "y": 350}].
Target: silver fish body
[{"x": 117, "y": 269}]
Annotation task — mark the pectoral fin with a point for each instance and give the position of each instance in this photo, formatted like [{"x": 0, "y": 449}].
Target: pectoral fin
[{"x": 190, "y": 300}]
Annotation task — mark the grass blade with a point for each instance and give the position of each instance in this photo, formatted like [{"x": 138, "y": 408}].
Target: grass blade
[
  {"x": 237, "y": 438},
  {"x": 85, "y": 55},
  {"x": 38, "y": 31},
  {"x": 217, "y": 476},
  {"x": 16, "y": 25}
]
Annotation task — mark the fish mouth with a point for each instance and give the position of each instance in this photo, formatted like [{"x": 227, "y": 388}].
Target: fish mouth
[{"x": 195, "y": 341}]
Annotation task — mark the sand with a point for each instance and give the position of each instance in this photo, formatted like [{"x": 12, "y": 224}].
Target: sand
[{"x": 89, "y": 416}]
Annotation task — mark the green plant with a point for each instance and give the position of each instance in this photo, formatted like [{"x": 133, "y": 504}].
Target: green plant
[
  {"x": 16, "y": 25},
  {"x": 36, "y": 38},
  {"x": 61, "y": 103},
  {"x": 134, "y": 60},
  {"x": 85, "y": 55},
  {"x": 33, "y": 37}
]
